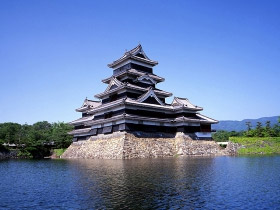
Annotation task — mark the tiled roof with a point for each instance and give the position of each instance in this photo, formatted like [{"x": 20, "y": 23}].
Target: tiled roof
[
  {"x": 146, "y": 79},
  {"x": 155, "y": 77},
  {"x": 88, "y": 104},
  {"x": 130, "y": 101},
  {"x": 167, "y": 106},
  {"x": 184, "y": 102},
  {"x": 131, "y": 86},
  {"x": 150, "y": 93},
  {"x": 135, "y": 72},
  {"x": 207, "y": 118},
  {"x": 137, "y": 117},
  {"x": 81, "y": 120},
  {"x": 79, "y": 131},
  {"x": 134, "y": 55}
]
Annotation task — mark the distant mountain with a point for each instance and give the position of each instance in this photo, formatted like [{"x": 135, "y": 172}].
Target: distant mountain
[{"x": 234, "y": 125}]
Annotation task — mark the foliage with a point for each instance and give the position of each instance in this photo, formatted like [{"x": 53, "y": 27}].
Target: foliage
[
  {"x": 263, "y": 131},
  {"x": 221, "y": 136},
  {"x": 258, "y": 145},
  {"x": 36, "y": 140},
  {"x": 249, "y": 126},
  {"x": 59, "y": 135},
  {"x": 10, "y": 132},
  {"x": 59, "y": 152},
  {"x": 24, "y": 154}
]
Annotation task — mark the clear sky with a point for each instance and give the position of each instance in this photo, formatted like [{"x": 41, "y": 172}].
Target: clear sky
[{"x": 221, "y": 55}]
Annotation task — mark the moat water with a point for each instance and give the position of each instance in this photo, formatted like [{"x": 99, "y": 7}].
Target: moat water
[{"x": 174, "y": 183}]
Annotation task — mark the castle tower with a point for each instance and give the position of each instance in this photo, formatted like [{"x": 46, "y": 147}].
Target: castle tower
[{"x": 133, "y": 103}]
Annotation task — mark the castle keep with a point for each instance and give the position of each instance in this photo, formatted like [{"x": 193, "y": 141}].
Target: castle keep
[{"x": 132, "y": 103}]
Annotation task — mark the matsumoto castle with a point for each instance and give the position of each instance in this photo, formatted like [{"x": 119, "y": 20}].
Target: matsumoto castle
[{"x": 132, "y": 103}]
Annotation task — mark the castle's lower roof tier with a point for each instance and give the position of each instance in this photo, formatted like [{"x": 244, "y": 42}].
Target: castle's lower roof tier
[
  {"x": 136, "y": 119},
  {"x": 84, "y": 131},
  {"x": 198, "y": 130},
  {"x": 81, "y": 120}
]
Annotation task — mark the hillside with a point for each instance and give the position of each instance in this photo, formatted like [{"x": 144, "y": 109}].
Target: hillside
[{"x": 234, "y": 125}]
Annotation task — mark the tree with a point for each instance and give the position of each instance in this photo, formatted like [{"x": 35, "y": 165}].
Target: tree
[
  {"x": 36, "y": 140},
  {"x": 259, "y": 130},
  {"x": 249, "y": 126},
  {"x": 249, "y": 132},
  {"x": 268, "y": 131},
  {"x": 60, "y": 135},
  {"x": 38, "y": 136},
  {"x": 276, "y": 128},
  {"x": 24, "y": 133},
  {"x": 9, "y": 132}
]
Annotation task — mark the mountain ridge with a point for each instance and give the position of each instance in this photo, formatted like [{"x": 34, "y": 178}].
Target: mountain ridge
[{"x": 239, "y": 125}]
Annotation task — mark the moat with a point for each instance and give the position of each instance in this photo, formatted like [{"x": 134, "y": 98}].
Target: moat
[{"x": 161, "y": 183}]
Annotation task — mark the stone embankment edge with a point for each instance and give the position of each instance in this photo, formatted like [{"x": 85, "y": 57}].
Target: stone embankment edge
[{"x": 122, "y": 145}]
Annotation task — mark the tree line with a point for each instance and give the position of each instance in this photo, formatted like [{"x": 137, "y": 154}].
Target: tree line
[
  {"x": 34, "y": 141},
  {"x": 260, "y": 131}
]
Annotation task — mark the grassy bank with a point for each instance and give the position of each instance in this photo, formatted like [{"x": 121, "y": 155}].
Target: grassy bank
[
  {"x": 59, "y": 152},
  {"x": 258, "y": 145}
]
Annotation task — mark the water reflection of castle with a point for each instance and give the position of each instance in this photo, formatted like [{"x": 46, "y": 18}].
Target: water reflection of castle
[
  {"x": 131, "y": 102},
  {"x": 145, "y": 183}
]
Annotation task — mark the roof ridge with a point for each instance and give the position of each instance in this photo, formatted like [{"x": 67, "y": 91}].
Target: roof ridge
[
  {"x": 181, "y": 98},
  {"x": 134, "y": 49},
  {"x": 132, "y": 54},
  {"x": 93, "y": 100}
]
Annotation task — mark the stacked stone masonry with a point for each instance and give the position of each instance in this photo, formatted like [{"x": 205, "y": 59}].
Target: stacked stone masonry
[{"x": 122, "y": 145}]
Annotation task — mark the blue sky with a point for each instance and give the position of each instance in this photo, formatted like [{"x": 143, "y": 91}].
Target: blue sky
[{"x": 221, "y": 55}]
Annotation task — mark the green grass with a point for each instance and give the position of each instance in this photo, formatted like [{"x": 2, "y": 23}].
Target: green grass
[
  {"x": 59, "y": 152},
  {"x": 257, "y": 145}
]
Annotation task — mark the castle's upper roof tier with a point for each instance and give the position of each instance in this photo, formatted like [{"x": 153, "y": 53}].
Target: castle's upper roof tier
[
  {"x": 136, "y": 73},
  {"x": 115, "y": 85},
  {"x": 136, "y": 54}
]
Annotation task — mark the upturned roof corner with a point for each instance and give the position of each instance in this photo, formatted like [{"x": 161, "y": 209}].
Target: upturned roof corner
[{"x": 137, "y": 54}]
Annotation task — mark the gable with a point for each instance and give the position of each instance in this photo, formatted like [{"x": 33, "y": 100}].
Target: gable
[
  {"x": 140, "y": 55},
  {"x": 114, "y": 83},
  {"x": 146, "y": 79},
  {"x": 183, "y": 102},
  {"x": 113, "y": 87},
  {"x": 151, "y": 100},
  {"x": 150, "y": 97}
]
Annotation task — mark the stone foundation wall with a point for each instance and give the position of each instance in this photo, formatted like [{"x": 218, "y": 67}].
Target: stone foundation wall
[
  {"x": 105, "y": 147},
  {"x": 123, "y": 145}
]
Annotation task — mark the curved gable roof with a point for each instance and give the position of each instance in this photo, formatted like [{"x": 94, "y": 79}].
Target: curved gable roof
[
  {"x": 185, "y": 103},
  {"x": 114, "y": 83},
  {"x": 146, "y": 79},
  {"x": 88, "y": 104},
  {"x": 148, "y": 94},
  {"x": 136, "y": 53}
]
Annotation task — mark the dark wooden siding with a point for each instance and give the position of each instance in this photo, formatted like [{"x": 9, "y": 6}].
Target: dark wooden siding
[
  {"x": 120, "y": 96},
  {"x": 151, "y": 100},
  {"x": 141, "y": 68},
  {"x": 81, "y": 127},
  {"x": 132, "y": 66},
  {"x": 205, "y": 128}
]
